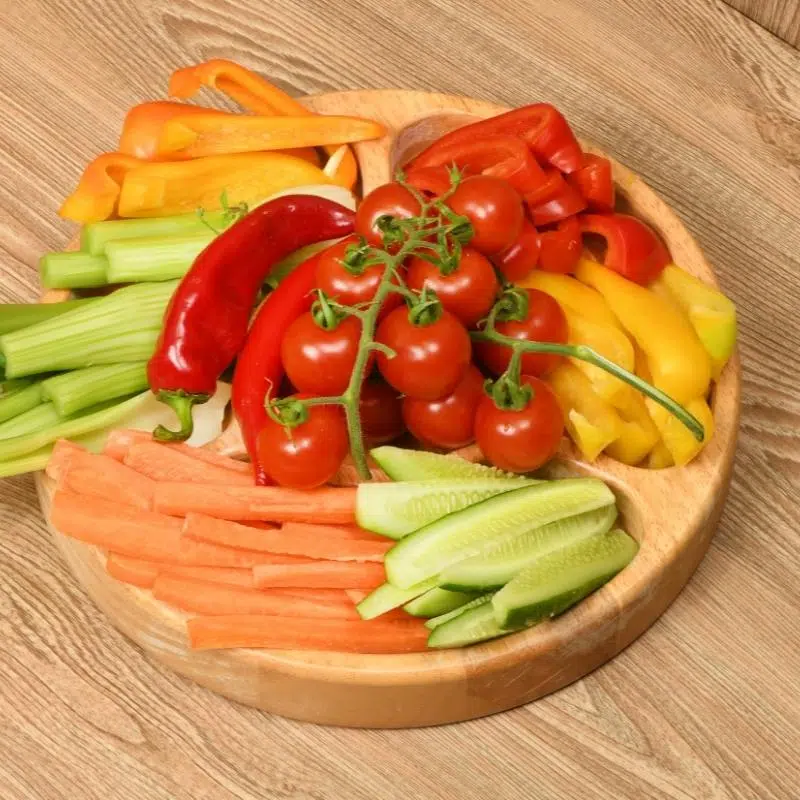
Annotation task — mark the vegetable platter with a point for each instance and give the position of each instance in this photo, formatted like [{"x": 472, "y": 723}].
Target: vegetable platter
[{"x": 508, "y": 623}]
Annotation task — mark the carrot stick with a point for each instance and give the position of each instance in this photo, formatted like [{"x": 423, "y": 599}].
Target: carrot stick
[
  {"x": 331, "y": 531},
  {"x": 132, "y": 570},
  {"x": 320, "y": 575},
  {"x": 101, "y": 476},
  {"x": 334, "y": 548},
  {"x": 169, "y": 464},
  {"x": 196, "y": 552},
  {"x": 242, "y": 503},
  {"x": 232, "y": 576},
  {"x": 143, "y": 573},
  {"x": 60, "y": 458},
  {"x": 280, "y": 633},
  {"x": 215, "y": 599},
  {"x": 120, "y": 441}
]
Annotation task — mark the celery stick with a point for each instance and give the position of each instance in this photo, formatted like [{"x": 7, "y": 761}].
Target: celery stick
[
  {"x": 105, "y": 416},
  {"x": 7, "y": 388},
  {"x": 79, "y": 389},
  {"x": 14, "y": 316},
  {"x": 72, "y": 270},
  {"x": 38, "y": 460},
  {"x": 35, "y": 419},
  {"x": 20, "y": 401},
  {"x": 96, "y": 235},
  {"x": 121, "y": 327},
  {"x": 154, "y": 258}
]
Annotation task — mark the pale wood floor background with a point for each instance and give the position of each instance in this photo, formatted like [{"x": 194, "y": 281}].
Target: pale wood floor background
[{"x": 695, "y": 95}]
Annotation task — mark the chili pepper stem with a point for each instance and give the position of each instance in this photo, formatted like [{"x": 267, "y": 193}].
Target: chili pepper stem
[{"x": 181, "y": 403}]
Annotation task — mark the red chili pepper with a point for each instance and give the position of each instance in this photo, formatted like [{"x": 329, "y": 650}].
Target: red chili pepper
[
  {"x": 206, "y": 322},
  {"x": 560, "y": 249},
  {"x": 259, "y": 369},
  {"x": 502, "y": 156},
  {"x": 541, "y": 126},
  {"x": 632, "y": 248},
  {"x": 595, "y": 182}
]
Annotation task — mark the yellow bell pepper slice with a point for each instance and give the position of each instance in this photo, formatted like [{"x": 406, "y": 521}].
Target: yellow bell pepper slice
[
  {"x": 161, "y": 189},
  {"x": 638, "y": 435},
  {"x": 711, "y": 313},
  {"x": 660, "y": 457},
  {"x": 682, "y": 446},
  {"x": 255, "y": 94},
  {"x": 573, "y": 295},
  {"x": 677, "y": 359},
  {"x": 591, "y": 422}
]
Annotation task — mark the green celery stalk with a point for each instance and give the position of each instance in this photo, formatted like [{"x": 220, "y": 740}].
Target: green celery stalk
[
  {"x": 154, "y": 259},
  {"x": 74, "y": 391},
  {"x": 18, "y": 402},
  {"x": 14, "y": 316},
  {"x": 35, "y": 419},
  {"x": 72, "y": 270},
  {"x": 97, "y": 235},
  {"x": 105, "y": 416},
  {"x": 120, "y": 327},
  {"x": 38, "y": 460}
]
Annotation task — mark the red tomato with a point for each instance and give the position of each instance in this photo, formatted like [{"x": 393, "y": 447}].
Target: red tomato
[
  {"x": 349, "y": 288},
  {"x": 469, "y": 291},
  {"x": 381, "y": 412},
  {"x": 391, "y": 199},
  {"x": 431, "y": 359},
  {"x": 520, "y": 258},
  {"x": 520, "y": 441},
  {"x": 544, "y": 322},
  {"x": 493, "y": 207},
  {"x": 595, "y": 182},
  {"x": 561, "y": 248},
  {"x": 320, "y": 361},
  {"x": 448, "y": 423},
  {"x": 308, "y": 455}
]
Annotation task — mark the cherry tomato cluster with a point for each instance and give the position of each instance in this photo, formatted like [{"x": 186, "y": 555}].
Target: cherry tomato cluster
[{"x": 423, "y": 374}]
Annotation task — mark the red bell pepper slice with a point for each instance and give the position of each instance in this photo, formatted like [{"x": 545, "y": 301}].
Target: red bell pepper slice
[
  {"x": 632, "y": 248},
  {"x": 541, "y": 126},
  {"x": 595, "y": 182},
  {"x": 432, "y": 181},
  {"x": 560, "y": 248},
  {"x": 520, "y": 257},
  {"x": 504, "y": 157},
  {"x": 565, "y": 203}
]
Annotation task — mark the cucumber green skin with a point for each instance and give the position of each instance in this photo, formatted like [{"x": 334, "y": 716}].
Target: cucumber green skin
[
  {"x": 398, "y": 509},
  {"x": 500, "y": 563},
  {"x": 435, "y": 622},
  {"x": 560, "y": 579},
  {"x": 437, "y": 602},
  {"x": 432, "y": 549},
  {"x": 401, "y": 464},
  {"x": 387, "y": 597},
  {"x": 469, "y": 627}
]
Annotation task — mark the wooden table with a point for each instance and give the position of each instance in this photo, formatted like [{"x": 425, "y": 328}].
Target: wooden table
[{"x": 696, "y": 97}]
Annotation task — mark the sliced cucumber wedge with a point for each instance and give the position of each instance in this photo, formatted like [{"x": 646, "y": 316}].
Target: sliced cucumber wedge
[
  {"x": 397, "y": 509},
  {"x": 469, "y": 627},
  {"x": 435, "y": 622},
  {"x": 499, "y": 563},
  {"x": 560, "y": 579},
  {"x": 426, "y": 553},
  {"x": 387, "y": 597},
  {"x": 437, "y": 602},
  {"x": 401, "y": 464}
]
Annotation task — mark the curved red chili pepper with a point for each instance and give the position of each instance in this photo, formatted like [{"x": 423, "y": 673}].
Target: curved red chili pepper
[{"x": 206, "y": 322}]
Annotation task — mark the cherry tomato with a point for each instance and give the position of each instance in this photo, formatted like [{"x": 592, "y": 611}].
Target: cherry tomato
[
  {"x": 391, "y": 199},
  {"x": 544, "y": 322},
  {"x": 561, "y": 248},
  {"x": 448, "y": 423},
  {"x": 493, "y": 207},
  {"x": 308, "y": 455},
  {"x": 520, "y": 441},
  {"x": 520, "y": 258},
  {"x": 381, "y": 412},
  {"x": 348, "y": 288},
  {"x": 430, "y": 359},
  {"x": 469, "y": 291},
  {"x": 320, "y": 361}
]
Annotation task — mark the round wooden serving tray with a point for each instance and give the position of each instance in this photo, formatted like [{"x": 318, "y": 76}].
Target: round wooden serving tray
[{"x": 672, "y": 513}]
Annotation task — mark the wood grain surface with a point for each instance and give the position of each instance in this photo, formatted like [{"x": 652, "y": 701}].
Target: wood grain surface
[
  {"x": 699, "y": 100},
  {"x": 781, "y": 17}
]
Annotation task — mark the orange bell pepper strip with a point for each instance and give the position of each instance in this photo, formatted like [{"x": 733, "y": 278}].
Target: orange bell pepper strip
[
  {"x": 97, "y": 193},
  {"x": 145, "y": 122},
  {"x": 199, "y": 135},
  {"x": 163, "y": 188},
  {"x": 255, "y": 94}
]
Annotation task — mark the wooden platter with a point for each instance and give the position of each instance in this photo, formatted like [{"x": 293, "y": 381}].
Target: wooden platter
[{"x": 673, "y": 514}]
